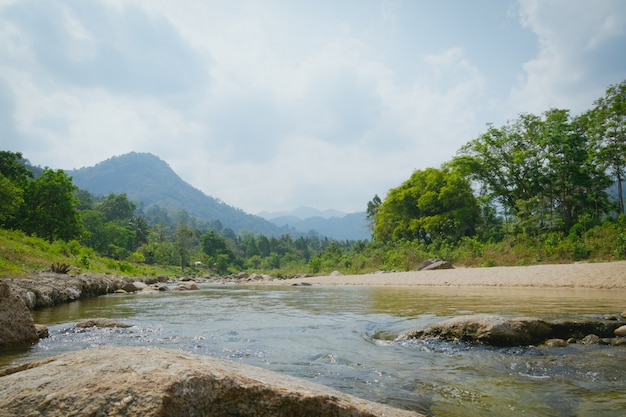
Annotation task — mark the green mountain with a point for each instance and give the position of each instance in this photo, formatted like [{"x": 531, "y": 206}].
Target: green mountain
[{"x": 147, "y": 179}]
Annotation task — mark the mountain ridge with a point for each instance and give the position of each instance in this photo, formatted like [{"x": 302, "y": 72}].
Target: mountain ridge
[{"x": 148, "y": 179}]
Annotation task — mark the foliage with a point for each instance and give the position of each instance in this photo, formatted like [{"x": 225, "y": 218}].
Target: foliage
[
  {"x": 50, "y": 207},
  {"x": 433, "y": 205}
]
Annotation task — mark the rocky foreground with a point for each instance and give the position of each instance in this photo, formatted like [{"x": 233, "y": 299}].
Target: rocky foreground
[{"x": 160, "y": 382}]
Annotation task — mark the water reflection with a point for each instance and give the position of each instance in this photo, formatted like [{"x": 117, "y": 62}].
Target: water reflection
[{"x": 345, "y": 337}]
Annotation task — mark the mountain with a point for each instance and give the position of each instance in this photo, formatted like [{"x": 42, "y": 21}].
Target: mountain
[
  {"x": 302, "y": 213},
  {"x": 343, "y": 227},
  {"x": 146, "y": 178}
]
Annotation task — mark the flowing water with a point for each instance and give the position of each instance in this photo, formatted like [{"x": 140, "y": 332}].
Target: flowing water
[{"x": 346, "y": 338}]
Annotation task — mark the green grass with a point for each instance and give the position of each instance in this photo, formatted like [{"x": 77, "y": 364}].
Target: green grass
[{"x": 22, "y": 255}]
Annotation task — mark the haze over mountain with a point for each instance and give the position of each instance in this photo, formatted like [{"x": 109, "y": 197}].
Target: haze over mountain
[
  {"x": 147, "y": 179},
  {"x": 331, "y": 223}
]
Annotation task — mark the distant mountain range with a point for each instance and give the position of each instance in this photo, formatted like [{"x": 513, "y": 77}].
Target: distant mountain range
[
  {"x": 147, "y": 179},
  {"x": 331, "y": 223}
]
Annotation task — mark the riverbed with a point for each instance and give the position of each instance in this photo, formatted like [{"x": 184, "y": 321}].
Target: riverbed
[{"x": 347, "y": 337}]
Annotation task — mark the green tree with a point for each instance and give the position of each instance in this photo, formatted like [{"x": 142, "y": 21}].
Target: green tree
[
  {"x": 12, "y": 167},
  {"x": 433, "y": 205},
  {"x": 609, "y": 132},
  {"x": 183, "y": 239},
  {"x": 117, "y": 207},
  {"x": 50, "y": 207}
]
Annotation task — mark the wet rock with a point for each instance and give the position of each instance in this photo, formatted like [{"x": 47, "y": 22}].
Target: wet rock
[
  {"x": 579, "y": 328},
  {"x": 100, "y": 322},
  {"x": 620, "y": 331},
  {"x": 42, "y": 331},
  {"x": 433, "y": 264},
  {"x": 491, "y": 330},
  {"x": 159, "y": 382},
  {"x": 16, "y": 324},
  {"x": 555, "y": 343}
]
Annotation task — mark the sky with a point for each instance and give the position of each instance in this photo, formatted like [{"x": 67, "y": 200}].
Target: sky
[{"x": 270, "y": 105}]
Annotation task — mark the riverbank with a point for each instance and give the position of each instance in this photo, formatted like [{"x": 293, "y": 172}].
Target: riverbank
[{"x": 602, "y": 275}]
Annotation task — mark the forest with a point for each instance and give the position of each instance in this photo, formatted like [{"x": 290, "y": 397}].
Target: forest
[{"x": 541, "y": 188}]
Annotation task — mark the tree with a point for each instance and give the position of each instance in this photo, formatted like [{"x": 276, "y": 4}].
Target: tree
[
  {"x": 50, "y": 207},
  {"x": 13, "y": 169},
  {"x": 183, "y": 237},
  {"x": 372, "y": 210},
  {"x": 117, "y": 207},
  {"x": 609, "y": 132},
  {"x": 432, "y": 205}
]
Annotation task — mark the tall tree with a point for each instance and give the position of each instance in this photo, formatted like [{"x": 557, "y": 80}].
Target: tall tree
[
  {"x": 609, "y": 115},
  {"x": 183, "y": 238},
  {"x": 50, "y": 207}
]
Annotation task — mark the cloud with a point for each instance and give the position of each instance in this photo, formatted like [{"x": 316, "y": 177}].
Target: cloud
[
  {"x": 271, "y": 105},
  {"x": 579, "y": 53}
]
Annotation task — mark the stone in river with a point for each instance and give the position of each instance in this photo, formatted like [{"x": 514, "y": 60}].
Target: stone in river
[{"x": 155, "y": 382}]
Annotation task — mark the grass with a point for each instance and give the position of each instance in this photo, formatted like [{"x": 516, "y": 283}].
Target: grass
[{"x": 22, "y": 255}]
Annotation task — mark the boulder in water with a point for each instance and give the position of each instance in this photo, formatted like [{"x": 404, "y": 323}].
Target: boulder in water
[
  {"x": 151, "y": 382},
  {"x": 16, "y": 324}
]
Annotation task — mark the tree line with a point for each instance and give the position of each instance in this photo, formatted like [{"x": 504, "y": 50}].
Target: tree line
[{"x": 543, "y": 177}]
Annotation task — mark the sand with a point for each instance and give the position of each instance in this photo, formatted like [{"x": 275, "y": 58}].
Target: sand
[{"x": 605, "y": 275}]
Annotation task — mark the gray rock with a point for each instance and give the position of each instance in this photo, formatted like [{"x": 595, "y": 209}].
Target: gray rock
[
  {"x": 151, "y": 382},
  {"x": 491, "y": 330},
  {"x": 433, "y": 264},
  {"x": 186, "y": 286},
  {"x": 17, "y": 328},
  {"x": 591, "y": 339}
]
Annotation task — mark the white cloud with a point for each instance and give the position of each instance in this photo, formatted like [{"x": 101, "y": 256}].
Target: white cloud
[
  {"x": 577, "y": 58},
  {"x": 272, "y": 105}
]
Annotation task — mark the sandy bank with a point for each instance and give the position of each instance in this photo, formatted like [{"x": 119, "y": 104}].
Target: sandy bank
[{"x": 605, "y": 275}]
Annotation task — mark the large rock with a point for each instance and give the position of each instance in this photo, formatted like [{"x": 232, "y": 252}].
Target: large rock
[
  {"x": 434, "y": 264},
  {"x": 17, "y": 328},
  {"x": 158, "y": 382},
  {"x": 491, "y": 330}
]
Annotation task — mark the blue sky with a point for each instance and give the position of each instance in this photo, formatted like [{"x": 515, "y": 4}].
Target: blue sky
[{"x": 274, "y": 104}]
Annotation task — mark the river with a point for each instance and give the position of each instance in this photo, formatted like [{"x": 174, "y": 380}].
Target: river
[{"x": 346, "y": 338}]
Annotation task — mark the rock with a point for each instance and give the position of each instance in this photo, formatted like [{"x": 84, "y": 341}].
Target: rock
[
  {"x": 433, "y": 264},
  {"x": 555, "y": 343},
  {"x": 130, "y": 287},
  {"x": 140, "y": 285},
  {"x": 120, "y": 291},
  {"x": 186, "y": 286},
  {"x": 336, "y": 274},
  {"x": 579, "y": 328},
  {"x": 620, "y": 331},
  {"x": 153, "y": 382},
  {"x": 101, "y": 322},
  {"x": 17, "y": 328},
  {"x": 619, "y": 341},
  {"x": 491, "y": 330},
  {"x": 590, "y": 339},
  {"x": 42, "y": 331}
]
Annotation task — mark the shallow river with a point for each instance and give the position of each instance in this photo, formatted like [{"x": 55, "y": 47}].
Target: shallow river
[{"x": 345, "y": 337}]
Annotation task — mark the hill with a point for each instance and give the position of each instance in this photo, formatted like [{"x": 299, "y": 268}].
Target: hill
[{"x": 147, "y": 179}]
